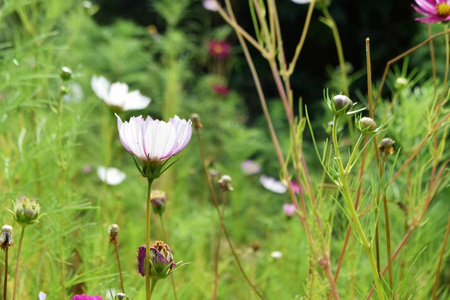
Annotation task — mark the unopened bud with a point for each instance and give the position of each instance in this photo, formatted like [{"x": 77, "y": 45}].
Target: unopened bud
[
  {"x": 114, "y": 233},
  {"x": 26, "y": 211},
  {"x": 400, "y": 83},
  {"x": 120, "y": 296},
  {"x": 158, "y": 201},
  {"x": 367, "y": 124},
  {"x": 225, "y": 183},
  {"x": 340, "y": 102},
  {"x": 195, "y": 118},
  {"x": 66, "y": 73},
  {"x": 6, "y": 238},
  {"x": 386, "y": 146}
]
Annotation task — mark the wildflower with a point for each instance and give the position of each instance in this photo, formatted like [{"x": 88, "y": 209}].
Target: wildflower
[
  {"x": 209, "y": 5},
  {"x": 250, "y": 167},
  {"x": 6, "y": 238},
  {"x": 272, "y": 184},
  {"x": 276, "y": 254},
  {"x": 220, "y": 89},
  {"x": 84, "y": 297},
  {"x": 161, "y": 260},
  {"x": 111, "y": 176},
  {"x": 435, "y": 11},
  {"x": 386, "y": 146},
  {"x": 225, "y": 183},
  {"x": 342, "y": 104},
  {"x": 154, "y": 142},
  {"x": 114, "y": 233},
  {"x": 26, "y": 211},
  {"x": 219, "y": 49},
  {"x": 117, "y": 96},
  {"x": 367, "y": 124},
  {"x": 158, "y": 200},
  {"x": 42, "y": 296},
  {"x": 296, "y": 188},
  {"x": 289, "y": 210}
]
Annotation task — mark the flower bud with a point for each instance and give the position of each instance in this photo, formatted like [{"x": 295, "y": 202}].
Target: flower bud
[
  {"x": 367, "y": 124},
  {"x": 161, "y": 260},
  {"x": 26, "y": 211},
  {"x": 121, "y": 296},
  {"x": 400, "y": 83},
  {"x": 195, "y": 118},
  {"x": 386, "y": 146},
  {"x": 340, "y": 102},
  {"x": 256, "y": 245},
  {"x": 6, "y": 238},
  {"x": 66, "y": 73},
  {"x": 158, "y": 201},
  {"x": 225, "y": 183},
  {"x": 114, "y": 233}
]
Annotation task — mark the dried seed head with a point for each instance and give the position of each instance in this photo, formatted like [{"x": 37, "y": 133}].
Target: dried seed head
[
  {"x": 6, "y": 238},
  {"x": 195, "y": 118},
  {"x": 114, "y": 233},
  {"x": 225, "y": 183},
  {"x": 256, "y": 245}
]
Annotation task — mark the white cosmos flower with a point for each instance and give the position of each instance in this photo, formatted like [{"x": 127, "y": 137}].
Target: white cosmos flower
[
  {"x": 111, "y": 176},
  {"x": 301, "y": 1},
  {"x": 276, "y": 254},
  {"x": 272, "y": 184},
  {"x": 42, "y": 296},
  {"x": 117, "y": 94},
  {"x": 154, "y": 140}
]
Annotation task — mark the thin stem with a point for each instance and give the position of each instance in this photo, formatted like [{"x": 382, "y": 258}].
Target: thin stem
[
  {"x": 167, "y": 241},
  {"x": 154, "y": 281},
  {"x": 387, "y": 230},
  {"x": 5, "y": 281},
  {"x": 447, "y": 60},
  {"x": 433, "y": 61},
  {"x": 217, "y": 256},
  {"x": 438, "y": 271},
  {"x": 340, "y": 52},
  {"x": 16, "y": 275},
  {"x": 222, "y": 223},
  {"x": 116, "y": 247},
  {"x": 353, "y": 215},
  {"x": 148, "y": 291}
]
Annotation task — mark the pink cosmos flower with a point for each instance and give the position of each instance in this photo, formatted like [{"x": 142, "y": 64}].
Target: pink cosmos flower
[
  {"x": 219, "y": 49},
  {"x": 435, "y": 11},
  {"x": 289, "y": 209},
  {"x": 84, "y": 297},
  {"x": 209, "y": 5},
  {"x": 221, "y": 89},
  {"x": 154, "y": 140},
  {"x": 250, "y": 167},
  {"x": 297, "y": 189}
]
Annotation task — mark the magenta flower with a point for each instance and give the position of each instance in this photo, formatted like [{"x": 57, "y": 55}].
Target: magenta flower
[
  {"x": 435, "y": 11},
  {"x": 219, "y": 49},
  {"x": 161, "y": 260},
  {"x": 289, "y": 209},
  {"x": 84, "y": 297},
  {"x": 297, "y": 189},
  {"x": 141, "y": 260},
  {"x": 221, "y": 89},
  {"x": 153, "y": 141}
]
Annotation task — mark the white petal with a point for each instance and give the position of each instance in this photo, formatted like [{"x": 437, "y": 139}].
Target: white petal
[
  {"x": 42, "y": 296},
  {"x": 118, "y": 94},
  {"x": 183, "y": 130},
  {"x": 135, "y": 101},
  {"x": 111, "y": 176},
  {"x": 159, "y": 139},
  {"x": 101, "y": 86},
  {"x": 272, "y": 184}
]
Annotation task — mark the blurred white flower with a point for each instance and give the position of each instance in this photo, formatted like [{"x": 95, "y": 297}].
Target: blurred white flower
[
  {"x": 75, "y": 93},
  {"x": 111, "y": 176},
  {"x": 276, "y": 254},
  {"x": 42, "y": 296},
  {"x": 209, "y": 5},
  {"x": 272, "y": 184},
  {"x": 117, "y": 95},
  {"x": 301, "y": 1}
]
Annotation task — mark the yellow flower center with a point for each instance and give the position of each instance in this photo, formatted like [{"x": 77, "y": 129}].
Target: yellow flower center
[
  {"x": 443, "y": 9},
  {"x": 218, "y": 49}
]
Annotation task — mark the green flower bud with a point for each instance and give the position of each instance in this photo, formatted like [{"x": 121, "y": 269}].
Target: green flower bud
[
  {"x": 26, "y": 211},
  {"x": 400, "y": 83},
  {"x": 342, "y": 104},
  {"x": 66, "y": 73},
  {"x": 386, "y": 146},
  {"x": 367, "y": 124},
  {"x": 158, "y": 201}
]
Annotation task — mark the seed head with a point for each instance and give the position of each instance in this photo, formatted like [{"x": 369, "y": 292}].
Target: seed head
[
  {"x": 114, "y": 233},
  {"x": 6, "y": 238},
  {"x": 225, "y": 183}
]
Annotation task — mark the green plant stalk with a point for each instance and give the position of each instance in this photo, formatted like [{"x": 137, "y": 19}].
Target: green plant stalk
[
  {"x": 116, "y": 247},
  {"x": 154, "y": 281},
  {"x": 5, "y": 281},
  {"x": 217, "y": 256},
  {"x": 433, "y": 61},
  {"x": 148, "y": 291},
  {"x": 340, "y": 52},
  {"x": 222, "y": 223},
  {"x": 447, "y": 61},
  {"x": 441, "y": 256},
  {"x": 354, "y": 216},
  {"x": 167, "y": 241},
  {"x": 16, "y": 274}
]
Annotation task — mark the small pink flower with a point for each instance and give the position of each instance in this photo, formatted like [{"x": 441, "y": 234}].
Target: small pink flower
[
  {"x": 250, "y": 167},
  {"x": 435, "y": 11},
  {"x": 289, "y": 209},
  {"x": 84, "y": 297},
  {"x": 219, "y": 49},
  {"x": 221, "y": 89},
  {"x": 297, "y": 189},
  {"x": 209, "y": 5}
]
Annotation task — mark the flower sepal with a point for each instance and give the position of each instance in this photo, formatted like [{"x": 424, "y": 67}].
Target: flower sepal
[{"x": 26, "y": 211}]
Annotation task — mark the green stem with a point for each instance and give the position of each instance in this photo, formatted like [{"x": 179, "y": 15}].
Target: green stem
[
  {"x": 17, "y": 263},
  {"x": 148, "y": 291},
  {"x": 167, "y": 241},
  {"x": 441, "y": 256},
  {"x": 154, "y": 281},
  {"x": 353, "y": 215},
  {"x": 353, "y": 155}
]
